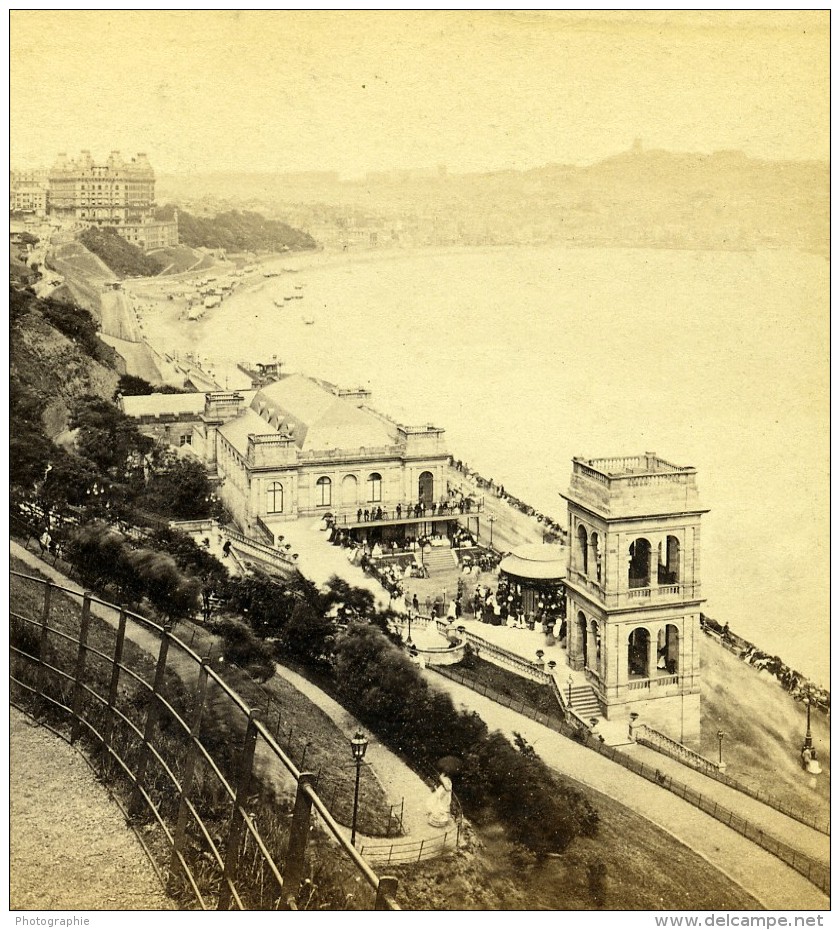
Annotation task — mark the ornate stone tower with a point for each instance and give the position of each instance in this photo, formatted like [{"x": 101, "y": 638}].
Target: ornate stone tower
[{"x": 634, "y": 589}]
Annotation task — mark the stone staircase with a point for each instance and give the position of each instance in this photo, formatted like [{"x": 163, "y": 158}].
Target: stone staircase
[
  {"x": 439, "y": 561},
  {"x": 585, "y": 703}
]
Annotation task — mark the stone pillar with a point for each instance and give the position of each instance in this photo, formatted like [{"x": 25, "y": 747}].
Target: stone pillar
[{"x": 654, "y": 564}]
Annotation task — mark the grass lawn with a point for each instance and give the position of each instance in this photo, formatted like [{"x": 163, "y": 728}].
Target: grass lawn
[
  {"x": 764, "y": 730},
  {"x": 630, "y": 865},
  {"x": 508, "y": 684}
]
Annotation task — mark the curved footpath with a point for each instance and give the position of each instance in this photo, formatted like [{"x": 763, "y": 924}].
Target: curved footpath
[
  {"x": 764, "y": 876},
  {"x": 797, "y": 835},
  {"x": 70, "y": 847},
  {"x": 398, "y": 780}
]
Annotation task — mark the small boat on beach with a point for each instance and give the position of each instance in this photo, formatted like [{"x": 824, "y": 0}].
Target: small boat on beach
[{"x": 308, "y": 320}]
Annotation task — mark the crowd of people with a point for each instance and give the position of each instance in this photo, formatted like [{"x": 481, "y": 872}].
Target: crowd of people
[
  {"x": 506, "y": 606},
  {"x": 455, "y": 504}
]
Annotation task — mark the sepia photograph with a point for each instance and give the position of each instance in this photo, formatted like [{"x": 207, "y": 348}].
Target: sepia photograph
[{"x": 419, "y": 464}]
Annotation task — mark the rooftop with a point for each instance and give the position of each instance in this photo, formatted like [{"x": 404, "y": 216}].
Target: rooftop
[{"x": 619, "y": 466}]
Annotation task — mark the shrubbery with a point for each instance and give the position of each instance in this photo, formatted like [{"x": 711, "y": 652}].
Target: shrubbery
[
  {"x": 236, "y": 231},
  {"x": 103, "y": 556},
  {"x": 497, "y": 780},
  {"x": 241, "y": 646}
]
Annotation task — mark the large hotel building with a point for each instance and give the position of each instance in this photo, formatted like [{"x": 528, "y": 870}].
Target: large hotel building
[{"x": 119, "y": 193}]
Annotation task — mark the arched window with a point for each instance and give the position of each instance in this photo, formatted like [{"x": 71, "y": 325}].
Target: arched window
[
  {"x": 669, "y": 572},
  {"x": 426, "y": 488},
  {"x": 638, "y": 648},
  {"x": 323, "y": 494},
  {"x": 582, "y": 638},
  {"x": 668, "y": 650},
  {"x": 374, "y": 484},
  {"x": 349, "y": 490},
  {"x": 596, "y": 554},
  {"x": 274, "y": 498},
  {"x": 638, "y": 574},
  {"x": 583, "y": 550}
]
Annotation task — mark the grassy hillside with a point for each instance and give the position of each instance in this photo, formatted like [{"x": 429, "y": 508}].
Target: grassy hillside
[
  {"x": 237, "y": 232},
  {"x": 764, "y": 730},
  {"x": 122, "y": 257},
  {"x": 56, "y": 357}
]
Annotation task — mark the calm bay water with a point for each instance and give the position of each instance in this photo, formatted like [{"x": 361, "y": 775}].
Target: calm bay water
[{"x": 529, "y": 356}]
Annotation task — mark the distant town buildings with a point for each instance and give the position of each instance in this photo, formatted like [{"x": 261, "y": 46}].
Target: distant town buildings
[
  {"x": 118, "y": 193},
  {"x": 28, "y": 192}
]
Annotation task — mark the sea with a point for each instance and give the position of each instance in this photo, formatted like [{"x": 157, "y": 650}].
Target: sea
[{"x": 528, "y": 356}]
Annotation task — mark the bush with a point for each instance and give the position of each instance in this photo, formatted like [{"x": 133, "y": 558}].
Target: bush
[
  {"x": 102, "y": 555},
  {"x": 241, "y": 646}
]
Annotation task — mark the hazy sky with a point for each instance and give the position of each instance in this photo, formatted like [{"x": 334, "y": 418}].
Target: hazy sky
[{"x": 356, "y": 91}]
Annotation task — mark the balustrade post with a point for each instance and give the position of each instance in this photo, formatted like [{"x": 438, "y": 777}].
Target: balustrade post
[
  {"x": 237, "y": 818},
  {"x": 298, "y": 838},
  {"x": 108, "y": 730},
  {"x": 187, "y": 778},
  {"x": 78, "y": 693},
  {"x": 387, "y": 888},
  {"x": 151, "y": 719}
]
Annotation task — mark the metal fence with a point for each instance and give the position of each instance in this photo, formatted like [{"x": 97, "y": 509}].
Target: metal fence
[
  {"x": 214, "y": 802},
  {"x": 413, "y": 850},
  {"x": 658, "y": 742},
  {"x": 817, "y": 873}
]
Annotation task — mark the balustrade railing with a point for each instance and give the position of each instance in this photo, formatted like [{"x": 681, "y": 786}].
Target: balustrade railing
[{"x": 218, "y": 831}]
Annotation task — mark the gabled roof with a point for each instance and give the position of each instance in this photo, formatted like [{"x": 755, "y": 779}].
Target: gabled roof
[
  {"x": 237, "y": 430},
  {"x": 318, "y": 418}
]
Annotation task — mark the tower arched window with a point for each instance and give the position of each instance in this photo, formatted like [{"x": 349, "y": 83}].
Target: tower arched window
[
  {"x": 323, "y": 492},
  {"x": 583, "y": 550},
  {"x": 274, "y": 497}
]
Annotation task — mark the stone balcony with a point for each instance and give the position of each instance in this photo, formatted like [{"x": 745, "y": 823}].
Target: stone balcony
[
  {"x": 634, "y": 486},
  {"x": 635, "y": 596}
]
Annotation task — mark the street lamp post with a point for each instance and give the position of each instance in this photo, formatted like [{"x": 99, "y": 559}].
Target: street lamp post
[
  {"x": 358, "y": 745},
  {"x": 571, "y": 682},
  {"x": 492, "y": 520},
  {"x": 720, "y": 736},
  {"x": 408, "y": 642},
  {"x": 809, "y": 741}
]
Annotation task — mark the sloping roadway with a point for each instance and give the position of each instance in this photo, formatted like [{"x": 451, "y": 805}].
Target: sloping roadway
[{"x": 767, "y": 878}]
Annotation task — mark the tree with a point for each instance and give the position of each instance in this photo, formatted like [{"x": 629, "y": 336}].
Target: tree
[
  {"x": 179, "y": 487},
  {"x": 108, "y": 437}
]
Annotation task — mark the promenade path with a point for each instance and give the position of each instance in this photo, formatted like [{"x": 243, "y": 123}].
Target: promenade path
[
  {"x": 761, "y": 874},
  {"x": 69, "y": 845},
  {"x": 797, "y": 835}
]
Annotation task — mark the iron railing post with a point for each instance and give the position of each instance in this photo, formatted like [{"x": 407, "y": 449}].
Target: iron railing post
[
  {"x": 151, "y": 719},
  {"x": 385, "y": 890},
  {"x": 298, "y": 838},
  {"x": 78, "y": 692},
  {"x": 237, "y": 818},
  {"x": 42, "y": 642},
  {"x": 187, "y": 778},
  {"x": 108, "y": 730}
]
